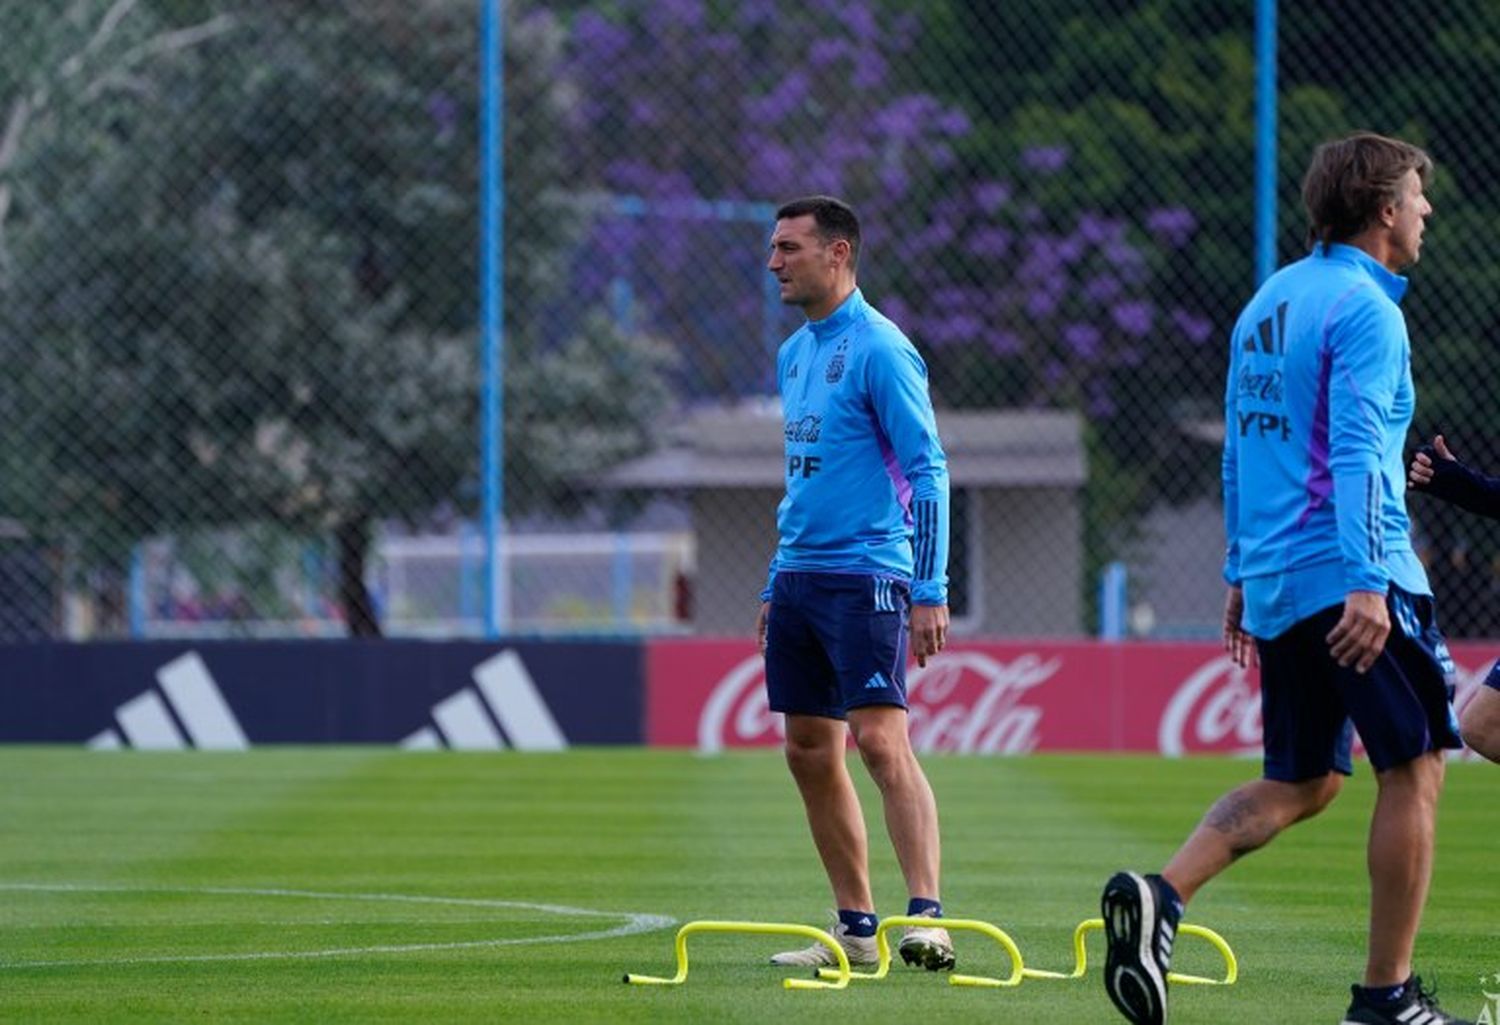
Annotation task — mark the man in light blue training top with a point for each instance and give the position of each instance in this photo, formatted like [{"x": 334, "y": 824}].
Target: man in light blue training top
[
  {"x": 864, "y": 546},
  {"x": 1323, "y": 582}
]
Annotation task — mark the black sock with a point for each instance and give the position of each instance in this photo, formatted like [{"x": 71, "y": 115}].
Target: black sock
[
  {"x": 858, "y": 923},
  {"x": 921, "y": 906}
]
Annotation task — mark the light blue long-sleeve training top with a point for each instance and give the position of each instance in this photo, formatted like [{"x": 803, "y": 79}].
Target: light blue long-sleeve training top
[
  {"x": 866, "y": 477},
  {"x": 1317, "y": 405}
]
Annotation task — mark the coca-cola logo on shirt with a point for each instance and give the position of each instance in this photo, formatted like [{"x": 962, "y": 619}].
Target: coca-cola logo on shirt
[{"x": 962, "y": 702}]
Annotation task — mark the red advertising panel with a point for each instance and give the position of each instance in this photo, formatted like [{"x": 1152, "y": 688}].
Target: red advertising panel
[{"x": 1002, "y": 698}]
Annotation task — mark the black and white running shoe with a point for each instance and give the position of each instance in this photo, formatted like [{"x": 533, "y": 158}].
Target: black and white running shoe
[
  {"x": 1140, "y": 923},
  {"x": 1417, "y": 1006}
]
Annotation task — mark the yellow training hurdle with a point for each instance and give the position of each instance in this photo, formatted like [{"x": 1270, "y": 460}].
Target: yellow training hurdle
[
  {"x": 839, "y": 978},
  {"x": 1088, "y": 925},
  {"x": 883, "y": 949}
]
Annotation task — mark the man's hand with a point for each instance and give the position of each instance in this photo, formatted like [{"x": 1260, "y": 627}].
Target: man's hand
[
  {"x": 760, "y": 627},
  {"x": 1422, "y": 471},
  {"x": 1239, "y": 644},
  {"x": 1359, "y": 636},
  {"x": 929, "y": 631}
]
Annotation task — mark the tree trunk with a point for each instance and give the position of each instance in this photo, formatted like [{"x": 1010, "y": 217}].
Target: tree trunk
[{"x": 353, "y": 539}]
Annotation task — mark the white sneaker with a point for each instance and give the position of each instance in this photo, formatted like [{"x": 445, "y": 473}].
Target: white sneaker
[
  {"x": 929, "y": 947},
  {"x": 860, "y": 950}
]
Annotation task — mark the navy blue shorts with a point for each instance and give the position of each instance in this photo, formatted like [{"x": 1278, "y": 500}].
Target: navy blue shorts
[
  {"x": 836, "y": 641},
  {"x": 1493, "y": 679},
  {"x": 1402, "y": 707}
]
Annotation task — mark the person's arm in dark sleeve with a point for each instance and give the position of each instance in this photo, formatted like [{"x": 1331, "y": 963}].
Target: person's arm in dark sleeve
[{"x": 1436, "y": 471}]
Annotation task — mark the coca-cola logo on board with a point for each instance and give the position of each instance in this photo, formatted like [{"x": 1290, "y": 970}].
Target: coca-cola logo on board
[
  {"x": 1214, "y": 709},
  {"x": 962, "y": 702},
  {"x": 1217, "y": 709}
]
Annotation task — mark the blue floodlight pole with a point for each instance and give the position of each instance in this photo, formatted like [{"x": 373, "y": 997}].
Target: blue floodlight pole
[
  {"x": 491, "y": 305},
  {"x": 1265, "y": 139}
]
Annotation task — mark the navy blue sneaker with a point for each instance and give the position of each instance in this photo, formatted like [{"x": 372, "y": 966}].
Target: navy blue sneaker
[
  {"x": 1417, "y": 1006},
  {"x": 1140, "y": 923}
]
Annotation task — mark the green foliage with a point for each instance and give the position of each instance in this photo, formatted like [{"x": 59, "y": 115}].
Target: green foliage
[
  {"x": 238, "y": 267},
  {"x": 578, "y": 410}
]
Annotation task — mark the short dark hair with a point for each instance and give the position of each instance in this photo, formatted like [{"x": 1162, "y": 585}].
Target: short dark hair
[
  {"x": 1350, "y": 179},
  {"x": 834, "y": 218}
]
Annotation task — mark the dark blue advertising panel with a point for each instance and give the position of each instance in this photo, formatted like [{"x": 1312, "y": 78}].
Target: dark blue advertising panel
[{"x": 537, "y": 695}]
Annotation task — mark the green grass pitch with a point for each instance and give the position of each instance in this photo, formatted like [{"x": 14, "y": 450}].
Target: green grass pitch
[{"x": 344, "y": 885}]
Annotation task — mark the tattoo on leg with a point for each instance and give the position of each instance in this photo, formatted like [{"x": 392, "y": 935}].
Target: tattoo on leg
[{"x": 1241, "y": 820}]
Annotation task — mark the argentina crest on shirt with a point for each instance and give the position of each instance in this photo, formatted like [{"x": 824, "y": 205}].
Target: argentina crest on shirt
[{"x": 836, "y": 365}]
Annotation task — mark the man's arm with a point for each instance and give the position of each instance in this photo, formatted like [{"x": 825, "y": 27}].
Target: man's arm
[
  {"x": 1368, "y": 351},
  {"x": 898, "y": 391},
  {"x": 1437, "y": 471},
  {"x": 903, "y": 407},
  {"x": 1365, "y": 368}
]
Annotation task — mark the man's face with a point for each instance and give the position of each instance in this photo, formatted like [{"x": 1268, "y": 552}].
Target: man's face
[
  {"x": 806, "y": 267},
  {"x": 1411, "y": 215}
]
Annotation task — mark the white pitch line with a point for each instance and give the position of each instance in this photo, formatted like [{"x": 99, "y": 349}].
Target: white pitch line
[{"x": 635, "y": 923}]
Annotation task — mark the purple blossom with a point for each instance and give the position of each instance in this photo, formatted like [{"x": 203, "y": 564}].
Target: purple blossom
[
  {"x": 644, "y": 112},
  {"x": 664, "y": 16},
  {"x": 443, "y": 109},
  {"x": 869, "y": 70},
  {"x": 630, "y": 176},
  {"x": 988, "y": 270},
  {"x": 1003, "y": 343},
  {"x": 1069, "y": 249},
  {"x": 904, "y": 119},
  {"x": 1082, "y": 340},
  {"x": 898, "y": 310},
  {"x": 1134, "y": 318},
  {"x": 990, "y": 242},
  {"x": 858, "y": 18},
  {"x": 1101, "y": 289},
  {"x": 843, "y": 149},
  {"x": 950, "y": 296},
  {"x": 756, "y": 12},
  {"x": 598, "y": 39},
  {"x": 950, "y": 208},
  {"x": 1124, "y": 257},
  {"x": 1044, "y": 159},
  {"x": 991, "y": 196},
  {"x": 1197, "y": 329},
  {"x": 904, "y": 32},
  {"x": 1096, "y": 229},
  {"x": 824, "y": 177},
  {"x": 953, "y": 329},
  {"x": 894, "y": 179},
  {"x": 824, "y": 52},
  {"x": 1041, "y": 303},
  {"x": 954, "y": 123},
  {"x": 775, "y": 166},
  {"x": 616, "y": 238},
  {"x": 721, "y": 46},
  {"x": 1101, "y": 404},
  {"x": 789, "y": 94},
  {"x": 1172, "y": 226},
  {"x": 1044, "y": 259}
]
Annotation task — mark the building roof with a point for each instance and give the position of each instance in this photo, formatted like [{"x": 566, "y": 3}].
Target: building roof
[{"x": 743, "y": 449}]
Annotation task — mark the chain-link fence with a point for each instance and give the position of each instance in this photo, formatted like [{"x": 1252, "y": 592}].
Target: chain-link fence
[{"x": 240, "y": 297}]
